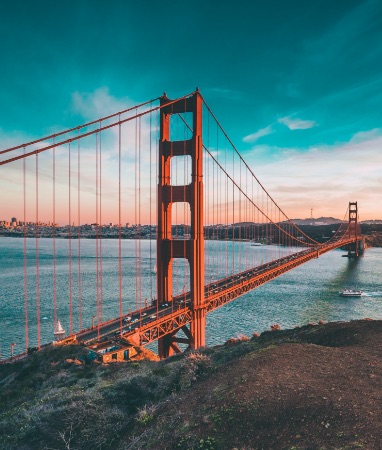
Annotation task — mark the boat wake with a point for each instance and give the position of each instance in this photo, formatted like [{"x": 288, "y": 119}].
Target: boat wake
[{"x": 372, "y": 294}]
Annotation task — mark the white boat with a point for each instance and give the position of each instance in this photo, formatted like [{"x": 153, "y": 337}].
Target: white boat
[
  {"x": 58, "y": 329},
  {"x": 155, "y": 270},
  {"x": 350, "y": 293}
]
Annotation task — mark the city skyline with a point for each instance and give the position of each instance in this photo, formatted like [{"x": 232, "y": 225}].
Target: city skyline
[{"x": 297, "y": 86}]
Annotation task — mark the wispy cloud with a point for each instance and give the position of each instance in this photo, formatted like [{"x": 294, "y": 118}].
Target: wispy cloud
[
  {"x": 327, "y": 177},
  {"x": 222, "y": 92},
  {"x": 297, "y": 124},
  {"x": 255, "y": 136},
  {"x": 369, "y": 135},
  {"x": 98, "y": 103}
]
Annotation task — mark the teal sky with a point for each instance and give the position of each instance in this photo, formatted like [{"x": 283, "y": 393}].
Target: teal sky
[{"x": 297, "y": 84}]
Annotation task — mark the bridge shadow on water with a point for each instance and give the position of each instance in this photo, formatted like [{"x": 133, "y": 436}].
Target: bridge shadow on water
[
  {"x": 348, "y": 276},
  {"x": 327, "y": 304}
]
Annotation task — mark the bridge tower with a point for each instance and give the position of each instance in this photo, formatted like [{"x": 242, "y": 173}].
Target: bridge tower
[
  {"x": 167, "y": 247},
  {"x": 353, "y": 251}
]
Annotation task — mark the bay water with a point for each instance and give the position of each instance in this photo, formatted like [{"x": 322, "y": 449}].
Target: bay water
[{"x": 307, "y": 293}]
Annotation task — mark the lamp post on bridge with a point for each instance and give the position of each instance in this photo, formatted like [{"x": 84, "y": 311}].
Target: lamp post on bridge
[{"x": 12, "y": 348}]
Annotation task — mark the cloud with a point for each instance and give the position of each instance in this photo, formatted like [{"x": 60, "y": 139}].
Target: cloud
[
  {"x": 221, "y": 92},
  {"x": 255, "y": 136},
  {"x": 297, "y": 124},
  {"x": 91, "y": 105},
  {"x": 12, "y": 138},
  {"x": 369, "y": 135},
  {"x": 326, "y": 178},
  {"x": 138, "y": 137}
]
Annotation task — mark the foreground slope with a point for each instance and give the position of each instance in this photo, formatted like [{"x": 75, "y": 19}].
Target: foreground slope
[{"x": 308, "y": 388}]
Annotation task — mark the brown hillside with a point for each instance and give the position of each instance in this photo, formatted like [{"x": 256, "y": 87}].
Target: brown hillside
[
  {"x": 320, "y": 388},
  {"x": 314, "y": 387}
]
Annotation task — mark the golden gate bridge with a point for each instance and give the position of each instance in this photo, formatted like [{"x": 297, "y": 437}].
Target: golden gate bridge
[{"x": 164, "y": 162}]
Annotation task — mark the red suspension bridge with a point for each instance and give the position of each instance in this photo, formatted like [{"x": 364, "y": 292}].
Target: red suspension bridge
[{"x": 165, "y": 163}]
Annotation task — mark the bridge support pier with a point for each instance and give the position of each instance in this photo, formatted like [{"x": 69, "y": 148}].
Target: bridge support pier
[
  {"x": 198, "y": 329},
  {"x": 167, "y": 247}
]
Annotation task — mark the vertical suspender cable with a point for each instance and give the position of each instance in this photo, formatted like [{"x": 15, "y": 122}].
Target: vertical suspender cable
[
  {"x": 217, "y": 261},
  {"x": 119, "y": 228},
  {"x": 136, "y": 212},
  {"x": 156, "y": 187},
  {"x": 70, "y": 245},
  {"x": 150, "y": 209},
  {"x": 96, "y": 246},
  {"x": 210, "y": 228},
  {"x": 176, "y": 271},
  {"x": 233, "y": 215},
  {"x": 54, "y": 240},
  {"x": 240, "y": 246},
  {"x": 216, "y": 206},
  {"x": 213, "y": 219},
  {"x": 207, "y": 257},
  {"x": 185, "y": 209},
  {"x": 219, "y": 221},
  {"x": 79, "y": 235},
  {"x": 37, "y": 265},
  {"x": 171, "y": 263},
  {"x": 226, "y": 211},
  {"x": 100, "y": 226},
  {"x": 253, "y": 226},
  {"x": 139, "y": 216},
  {"x": 268, "y": 229},
  {"x": 26, "y": 314}
]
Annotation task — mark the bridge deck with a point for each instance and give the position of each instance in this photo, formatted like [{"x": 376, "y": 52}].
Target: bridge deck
[{"x": 147, "y": 325}]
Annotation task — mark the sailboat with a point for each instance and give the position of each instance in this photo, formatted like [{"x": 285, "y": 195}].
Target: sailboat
[
  {"x": 155, "y": 270},
  {"x": 58, "y": 329}
]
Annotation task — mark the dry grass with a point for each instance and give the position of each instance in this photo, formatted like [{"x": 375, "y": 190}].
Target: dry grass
[{"x": 277, "y": 390}]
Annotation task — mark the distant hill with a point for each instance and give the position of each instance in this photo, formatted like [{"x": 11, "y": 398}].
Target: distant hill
[
  {"x": 317, "y": 222},
  {"x": 330, "y": 221},
  {"x": 309, "y": 221},
  {"x": 372, "y": 222}
]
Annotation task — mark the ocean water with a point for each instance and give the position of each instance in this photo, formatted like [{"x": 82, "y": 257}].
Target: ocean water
[{"x": 308, "y": 293}]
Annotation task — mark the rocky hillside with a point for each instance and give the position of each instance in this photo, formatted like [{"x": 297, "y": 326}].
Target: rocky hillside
[
  {"x": 315, "y": 387},
  {"x": 374, "y": 239}
]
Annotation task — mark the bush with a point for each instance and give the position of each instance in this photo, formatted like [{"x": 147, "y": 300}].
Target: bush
[
  {"x": 145, "y": 414},
  {"x": 194, "y": 366}
]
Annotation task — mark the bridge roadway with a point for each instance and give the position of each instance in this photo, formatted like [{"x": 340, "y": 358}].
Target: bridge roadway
[{"x": 147, "y": 325}]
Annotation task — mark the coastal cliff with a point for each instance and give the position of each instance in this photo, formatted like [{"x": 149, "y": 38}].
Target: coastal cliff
[{"x": 312, "y": 387}]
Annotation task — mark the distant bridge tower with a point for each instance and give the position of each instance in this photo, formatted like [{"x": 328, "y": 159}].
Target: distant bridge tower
[
  {"x": 353, "y": 251},
  {"x": 169, "y": 248}
]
